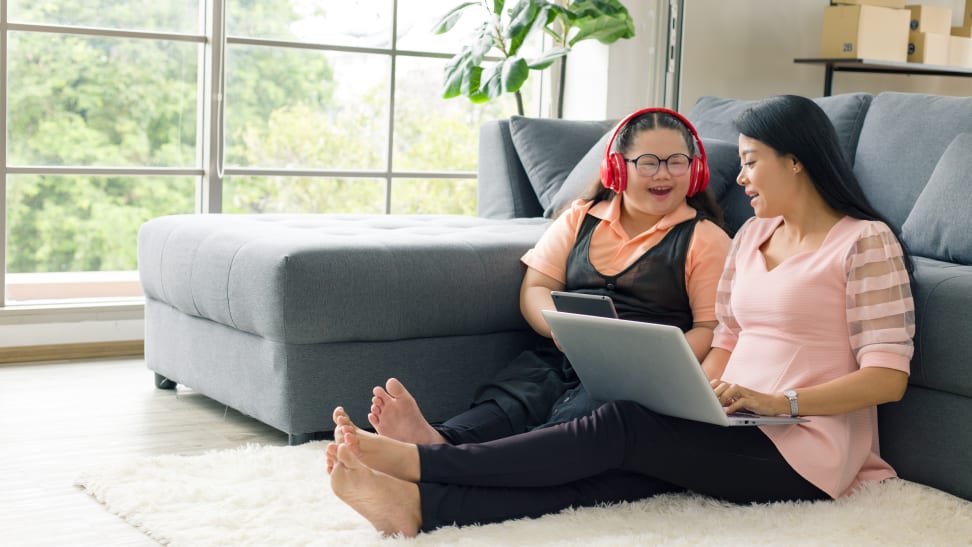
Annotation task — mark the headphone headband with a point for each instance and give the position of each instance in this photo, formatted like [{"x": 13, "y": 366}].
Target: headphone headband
[{"x": 614, "y": 169}]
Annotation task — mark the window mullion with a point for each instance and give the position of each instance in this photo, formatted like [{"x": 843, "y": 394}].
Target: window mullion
[
  {"x": 3, "y": 153},
  {"x": 209, "y": 194},
  {"x": 391, "y": 109}
]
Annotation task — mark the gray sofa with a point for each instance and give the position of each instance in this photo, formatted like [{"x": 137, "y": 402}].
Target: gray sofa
[{"x": 284, "y": 317}]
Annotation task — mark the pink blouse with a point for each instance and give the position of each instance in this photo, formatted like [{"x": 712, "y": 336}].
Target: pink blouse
[{"x": 817, "y": 316}]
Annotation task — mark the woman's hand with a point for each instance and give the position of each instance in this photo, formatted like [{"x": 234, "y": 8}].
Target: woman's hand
[{"x": 735, "y": 397}]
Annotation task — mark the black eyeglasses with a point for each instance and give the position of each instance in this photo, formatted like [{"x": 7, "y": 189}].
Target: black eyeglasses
[{"x": 649, "y": 164}]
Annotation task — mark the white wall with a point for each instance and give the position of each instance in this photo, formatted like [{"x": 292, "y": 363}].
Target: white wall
[
  {"x": 611, "y": 81},
  {"x": 745, "y": 49}
]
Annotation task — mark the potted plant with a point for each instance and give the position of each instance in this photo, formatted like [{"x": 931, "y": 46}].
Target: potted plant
[{"x": 502, "y": 32}]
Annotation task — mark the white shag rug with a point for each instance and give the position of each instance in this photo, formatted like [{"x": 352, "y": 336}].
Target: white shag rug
[{"x": 280, "y": 496}]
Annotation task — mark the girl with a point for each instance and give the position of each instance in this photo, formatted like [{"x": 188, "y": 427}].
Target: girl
[{"x": 648, "y": 236}]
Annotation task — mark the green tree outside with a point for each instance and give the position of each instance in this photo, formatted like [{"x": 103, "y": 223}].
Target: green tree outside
[{"x": 79, "y": 100}]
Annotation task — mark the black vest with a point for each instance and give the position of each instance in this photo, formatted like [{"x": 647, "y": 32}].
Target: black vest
[{"x": 652, "y": 289}]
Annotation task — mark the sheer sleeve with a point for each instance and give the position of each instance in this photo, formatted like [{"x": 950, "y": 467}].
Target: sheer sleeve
[
  {"x": 727, "y": 331},
  {"x": 880, "y": 308}
]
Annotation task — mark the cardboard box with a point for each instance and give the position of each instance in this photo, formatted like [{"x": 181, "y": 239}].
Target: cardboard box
[
  {"x": 962, "y": 31},
  {"x": 898, "y": 4},
  {"x": 928, "y": 48},
  {"x": 933, "y": 19},
  {"x": 960, "y": 51},
  {"x": 865, "y": 32}
]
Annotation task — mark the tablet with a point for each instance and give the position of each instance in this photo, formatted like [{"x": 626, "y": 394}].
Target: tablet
[{"x": 585, "y": 304}]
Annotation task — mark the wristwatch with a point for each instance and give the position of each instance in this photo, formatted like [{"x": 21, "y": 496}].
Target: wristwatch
[{"x": 791, "y": 394}]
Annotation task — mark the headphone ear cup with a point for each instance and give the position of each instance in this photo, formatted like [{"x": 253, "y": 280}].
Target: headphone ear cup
[
  {"x": 699, "y": 178},
  {"x": 614, "y": 173}
]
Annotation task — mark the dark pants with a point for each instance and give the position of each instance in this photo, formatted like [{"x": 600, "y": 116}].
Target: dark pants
[
  {"x": 622, "y": 452},
  {"x": 537, "y": 389}
]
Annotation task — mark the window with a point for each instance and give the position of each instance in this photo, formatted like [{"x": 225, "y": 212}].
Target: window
[{"x": 120, "y": 112}]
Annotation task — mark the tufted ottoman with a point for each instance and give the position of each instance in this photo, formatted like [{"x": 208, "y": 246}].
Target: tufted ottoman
[{"x": 283, "y": 317}]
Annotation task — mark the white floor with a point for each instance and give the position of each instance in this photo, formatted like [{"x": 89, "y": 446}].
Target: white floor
[{"x": 58, "y": 418}]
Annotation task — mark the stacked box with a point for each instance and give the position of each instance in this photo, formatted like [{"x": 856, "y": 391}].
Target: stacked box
[
  {"x": 929, "y": 34},
  {"x": 865, "y": 32},
  {"x": 932, "y": 19},
  {"x": 928, "y": 48},
  {"x": 966, "y": 29},
  {"x": 960, "y": 51}
]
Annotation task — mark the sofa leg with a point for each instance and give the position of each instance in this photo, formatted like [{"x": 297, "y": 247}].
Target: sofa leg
[{"x": 161, "y": 382}]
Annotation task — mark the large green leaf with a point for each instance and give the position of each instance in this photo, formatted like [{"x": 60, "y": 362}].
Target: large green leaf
[
  {"x": 515, "y": 72},
  {"x": 554, "y": 13},
  {"x": 450, "y": 19},
  {"x": 472, "y": 81},
  {"x": 482, "y": 44},
  {"x": 548, "y": 58},
  {"x": 606, "y": 30},
  {"x": 523, "y": 16},
  {"x": 491, "y": 85},
  {"x": 604, "y": 20},
  {"x": 455, "y": 73}
]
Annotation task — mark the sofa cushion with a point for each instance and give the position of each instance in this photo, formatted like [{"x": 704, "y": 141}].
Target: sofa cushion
[
  {"x": 550, "y": 148},
  {"x": 943, "y": 297},
  {"x": 940, "y": 224},
  {"x": 504, "y": 190},
  {"x": 714, "y": 117},
  {"x": 723, "y": 159},
  {"x": 582, "y": 177},
  {"x": 308, "y": 279},
  {"x": 902, "y": 139}
]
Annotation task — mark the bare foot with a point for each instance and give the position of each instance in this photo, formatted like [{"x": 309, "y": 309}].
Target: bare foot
[
  {"x": 330, "y": 453},
  {"x": 391, "y": 505},
  {"x": 396, "y": 414},
  {"x": 384, "y": 454}
]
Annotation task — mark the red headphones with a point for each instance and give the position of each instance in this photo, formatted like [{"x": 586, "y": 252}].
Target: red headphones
[{"x": 614, "y": 169}]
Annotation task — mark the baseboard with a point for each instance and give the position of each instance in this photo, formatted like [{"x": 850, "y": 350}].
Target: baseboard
[{"x": 61, "y": 352}]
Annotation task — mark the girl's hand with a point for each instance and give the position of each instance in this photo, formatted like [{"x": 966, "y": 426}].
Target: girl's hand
[{"x": 734, "y": 397}]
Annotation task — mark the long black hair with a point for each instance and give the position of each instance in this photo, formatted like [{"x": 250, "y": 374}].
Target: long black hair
[
  {"x": 703, "y": 202},
  {"x": 797, "y": 126}
]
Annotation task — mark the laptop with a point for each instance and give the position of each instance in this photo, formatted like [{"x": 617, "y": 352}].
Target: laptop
[{"x": 648, "y": 363}]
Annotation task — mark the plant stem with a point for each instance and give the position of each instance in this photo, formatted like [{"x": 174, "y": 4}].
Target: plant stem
[{"x": 519, "y": 102}]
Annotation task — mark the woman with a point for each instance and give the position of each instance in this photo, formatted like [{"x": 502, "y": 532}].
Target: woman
[
  {"x": 648, "y": 236},
  {"x": 815, "y": 318}
]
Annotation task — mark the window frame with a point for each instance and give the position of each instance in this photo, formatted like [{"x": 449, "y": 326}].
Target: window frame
[{"x": 209, "y": 170}]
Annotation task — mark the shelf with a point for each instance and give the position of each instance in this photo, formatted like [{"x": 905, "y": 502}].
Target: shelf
[{"x": 886, "y": 67}]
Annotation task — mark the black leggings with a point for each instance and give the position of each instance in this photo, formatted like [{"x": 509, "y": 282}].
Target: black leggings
[{"x": 622, "y": 452}]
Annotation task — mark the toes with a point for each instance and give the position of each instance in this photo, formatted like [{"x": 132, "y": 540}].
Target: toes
[
  {"x": 331, "y": 457},
  {"x": 373, "y": 418},
  {"x": 380, "y": 396},
  {"x": 347, "y": 457},
  {"x": 341, "y": 418},
  {"x": 339, "y": 414},
  {"x": 395, "y": 388}
]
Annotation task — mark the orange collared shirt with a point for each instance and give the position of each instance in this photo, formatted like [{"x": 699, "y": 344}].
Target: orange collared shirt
[{"x": 612, "y": 251}]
